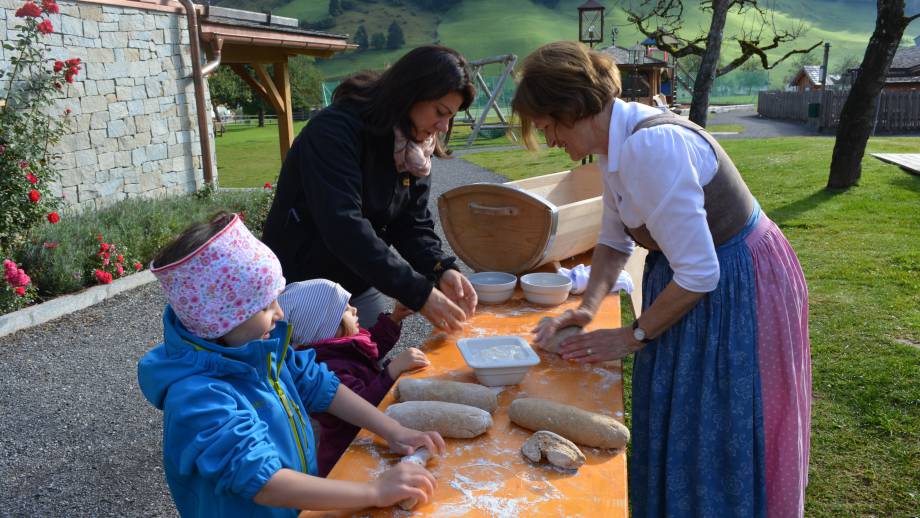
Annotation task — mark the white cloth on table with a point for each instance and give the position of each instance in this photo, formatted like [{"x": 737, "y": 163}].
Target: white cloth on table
[
  {"x": 581, "y": 273},
  {"x": 655, "y": 177}
]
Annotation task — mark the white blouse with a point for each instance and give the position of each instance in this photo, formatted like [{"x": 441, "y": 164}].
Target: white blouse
[{"x": 655, "y": 177}]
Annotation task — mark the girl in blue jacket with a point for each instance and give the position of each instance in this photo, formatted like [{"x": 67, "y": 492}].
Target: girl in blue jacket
[{"x": 235, "y": 396}]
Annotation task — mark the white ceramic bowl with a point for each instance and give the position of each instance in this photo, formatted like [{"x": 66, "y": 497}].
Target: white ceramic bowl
[
  {"x": 498, "y": 360},
  {"x": 493, "y": 287},
  {"x": 548, "y": 289}
]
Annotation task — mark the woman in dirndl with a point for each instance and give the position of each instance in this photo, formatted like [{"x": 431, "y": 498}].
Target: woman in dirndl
[{"x": 721, "y": 386}]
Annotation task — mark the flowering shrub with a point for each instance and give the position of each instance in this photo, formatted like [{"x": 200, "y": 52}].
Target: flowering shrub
[
  {"x": 17, "y": 290},
  {"x": 113, "y": 262},
  {"x": 30, "y": 125}
]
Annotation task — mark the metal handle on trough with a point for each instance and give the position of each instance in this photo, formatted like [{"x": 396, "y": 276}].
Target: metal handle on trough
[{"x": 486, "y": 210}]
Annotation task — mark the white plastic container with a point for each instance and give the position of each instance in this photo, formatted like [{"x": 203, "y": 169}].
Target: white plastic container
[
  {"x": 548, "y": 289},
  {"x": 498, "y": 360},
  {"x": 493, "y": 287}
]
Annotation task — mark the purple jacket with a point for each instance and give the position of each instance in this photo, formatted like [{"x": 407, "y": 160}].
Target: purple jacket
[{"x": 356, "y": 367}]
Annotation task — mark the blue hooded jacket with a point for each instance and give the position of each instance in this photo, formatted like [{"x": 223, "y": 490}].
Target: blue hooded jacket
[{"x": 232, "y": 416}]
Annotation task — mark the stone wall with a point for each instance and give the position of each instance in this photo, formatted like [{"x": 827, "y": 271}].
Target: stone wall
[{"x": 134, "y": 130}]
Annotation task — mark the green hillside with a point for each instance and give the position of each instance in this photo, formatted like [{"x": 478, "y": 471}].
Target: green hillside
[{"x": 482, "y": 28}]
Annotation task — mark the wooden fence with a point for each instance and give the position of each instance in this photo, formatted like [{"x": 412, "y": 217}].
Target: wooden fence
[{"x": 897, "y": 111}]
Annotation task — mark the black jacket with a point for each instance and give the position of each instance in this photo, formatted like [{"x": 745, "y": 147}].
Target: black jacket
[{"x": 340, "y": 204}]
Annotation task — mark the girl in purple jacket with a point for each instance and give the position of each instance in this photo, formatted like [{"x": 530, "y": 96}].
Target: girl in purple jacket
[{"x": 323, "y": 321}]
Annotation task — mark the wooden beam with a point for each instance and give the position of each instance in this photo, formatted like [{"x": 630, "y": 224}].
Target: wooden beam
[
  {"x": 282, "y": 83},
  {"x": 274, "y": 97},
  {"x": 238, "y": 53},
  {"x": 251, "y": 81}
]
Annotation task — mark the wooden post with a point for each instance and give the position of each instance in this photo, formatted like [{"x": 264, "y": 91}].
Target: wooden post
[{"x": 286, "y": 117}]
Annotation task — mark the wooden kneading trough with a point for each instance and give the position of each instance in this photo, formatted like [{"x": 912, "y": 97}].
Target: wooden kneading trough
[
  {"x": 414, "y": 389},
  {"x": 448, "y": 419},
  {"x": 575, "y": 424}
]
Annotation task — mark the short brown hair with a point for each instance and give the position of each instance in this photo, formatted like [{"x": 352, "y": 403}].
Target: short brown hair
[{"x": 564, "y": 80}]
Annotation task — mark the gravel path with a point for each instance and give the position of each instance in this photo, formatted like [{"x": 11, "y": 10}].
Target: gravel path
[
  {"x": 756, "y": 126},
  {"x": 76, "y": 435}
]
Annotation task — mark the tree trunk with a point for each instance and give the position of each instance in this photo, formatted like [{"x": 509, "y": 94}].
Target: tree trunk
[
  {"x": 858, "y": 114},
  {"x": 699, "y": 106},
  {"x": 261, "y": 116}
]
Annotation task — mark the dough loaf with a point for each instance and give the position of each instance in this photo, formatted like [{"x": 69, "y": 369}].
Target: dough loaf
[
  {"x": 416, "y": 389},
  {"x": 575, "y": 424},
  {"x": 448, "y": 419},
  {"x": 557, "y": 450}
]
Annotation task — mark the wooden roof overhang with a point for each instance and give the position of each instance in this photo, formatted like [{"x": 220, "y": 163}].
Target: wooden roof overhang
[{"x": 257, "y": 44}]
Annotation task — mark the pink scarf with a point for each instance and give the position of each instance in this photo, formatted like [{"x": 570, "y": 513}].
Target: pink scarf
[{"x": 411, "y": 156}]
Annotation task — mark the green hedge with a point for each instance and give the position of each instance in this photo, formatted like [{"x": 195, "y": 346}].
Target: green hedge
[{"x": 60, "y": 258}]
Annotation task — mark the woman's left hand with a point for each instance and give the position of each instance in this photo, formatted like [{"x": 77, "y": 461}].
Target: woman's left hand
[
  {"x": 601, "y": 345},
  {"x": 459, "y": 290},
  {"x": 405, "y": 441}
]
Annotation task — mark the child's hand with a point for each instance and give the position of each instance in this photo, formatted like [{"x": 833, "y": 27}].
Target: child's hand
[
  {"x": 406, "y": 440},
  {"x": 404, "y": 480},
  {"x": 408, "y": 360},
  {"x": 400, "y": 312}
]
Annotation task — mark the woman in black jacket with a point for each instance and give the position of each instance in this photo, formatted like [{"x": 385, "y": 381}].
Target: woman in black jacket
[{"x": 356, "y": 182}]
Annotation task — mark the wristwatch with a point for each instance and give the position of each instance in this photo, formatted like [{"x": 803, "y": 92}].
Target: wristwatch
[{"x": 639, "y": 333}]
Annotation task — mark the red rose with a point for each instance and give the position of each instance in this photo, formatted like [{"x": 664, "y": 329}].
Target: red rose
[
  {"x": 138, "y": 266},
  {"x": 20, "y": 291},
  {"x": 57, "y": 85},
  {"x": 45, "y": 27},
  {"x": 105, "y": 255},
  {"x": 34, "y": 196},
  {"x": 53, "y": 217},
  {"x": 58, "y": 66},
  {"x": 50, "y": 245},
  {"x": 267, "y": 186},
  {"x": 31, "y": 178},
  {"x": 22, "y": 279},
  {"x": 50, "y": 7},
  {"x": 120, "y": 269},
  {"x": 23, "y": 164},
  {"x": 103, "y": 246},
  {"x": 103, "y": 277},
  {"x": 120, "y": 259},
  {"x": 29, "y": 10},
  {"x": 67, "y": 111},
  {"x": 72, "y": 62},
  {"x": 68, "y": 77}
]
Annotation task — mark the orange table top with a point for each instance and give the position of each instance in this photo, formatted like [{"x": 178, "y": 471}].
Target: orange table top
[{"x": 487, "y": 475}]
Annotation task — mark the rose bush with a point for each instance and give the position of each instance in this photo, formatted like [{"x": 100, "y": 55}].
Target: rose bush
[{"x": 30, "y": 126}]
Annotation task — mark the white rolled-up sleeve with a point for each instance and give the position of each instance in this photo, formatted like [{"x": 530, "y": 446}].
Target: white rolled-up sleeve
[
  {"x": 659, "y": 169},
  {"x": 613, "y": 233}
]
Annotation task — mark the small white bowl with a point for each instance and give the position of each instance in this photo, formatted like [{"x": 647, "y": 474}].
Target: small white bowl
[
  {"x": 498, "y": 360},
  {"x": 548, "y": 289},
  {"x": 493, "y": 287}
]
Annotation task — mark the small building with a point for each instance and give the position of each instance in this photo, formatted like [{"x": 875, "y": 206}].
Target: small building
[
  {"x": 904, "y": 74},
  {"x": 808, "y": 79},
  {"x": 646, "y": 72}
]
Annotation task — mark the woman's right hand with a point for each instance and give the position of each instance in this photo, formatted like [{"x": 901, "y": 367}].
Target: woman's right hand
[
  {"x": 442, "y": 312},
  {"x": 547, "y": 327},
  {"x": 404, "y": 480}
]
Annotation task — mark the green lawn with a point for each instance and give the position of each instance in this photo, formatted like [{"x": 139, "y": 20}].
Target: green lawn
[
  {"x": 861, "y": 257},
  {"x": 249, "y": 156},
  {"x": 725, "y": 128}
]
